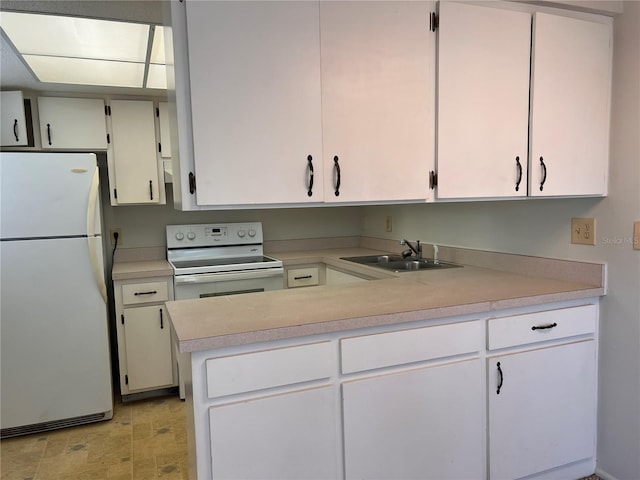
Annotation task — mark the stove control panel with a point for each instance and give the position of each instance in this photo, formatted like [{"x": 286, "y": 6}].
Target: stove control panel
[{"x": 214, "y": 234}]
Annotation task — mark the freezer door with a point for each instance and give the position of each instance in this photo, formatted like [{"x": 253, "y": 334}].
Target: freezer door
[
  {"x": 55, "y": 361},
  {"x": 47, "y": 194}
]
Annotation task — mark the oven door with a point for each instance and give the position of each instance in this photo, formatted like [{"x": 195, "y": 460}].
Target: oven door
[{"x": 204, "y": 285}]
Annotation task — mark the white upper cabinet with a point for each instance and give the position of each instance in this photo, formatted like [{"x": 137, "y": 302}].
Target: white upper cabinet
[
  {"x": 520, "y": 107},
  {"x": 378, "y": 96},
  {"x": 570, "y": 102},
  {"x": 134, "y": 175},
  {"x": 72, "y": 123},
  {"x": 13, "y": 125},
  {"x": 483, "y": 101},
  {"x": 255, "y": 102}
]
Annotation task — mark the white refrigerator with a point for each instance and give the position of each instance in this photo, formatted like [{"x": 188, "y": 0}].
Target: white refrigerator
[{"x": 55, "y": 366}]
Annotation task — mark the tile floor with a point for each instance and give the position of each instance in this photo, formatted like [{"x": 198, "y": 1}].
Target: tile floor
[{"x": 146, "y": 439}]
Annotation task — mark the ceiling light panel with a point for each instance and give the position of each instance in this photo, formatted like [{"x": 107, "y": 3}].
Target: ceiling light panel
[
  {"x": 157, "y": 77},
  {"x": 157, "y": 51},
  {"x": 34, "y": 34},
  {"x": 86, "y": 71}
]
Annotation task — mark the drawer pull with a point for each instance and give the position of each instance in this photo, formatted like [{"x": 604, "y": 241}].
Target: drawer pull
[
  {"x": 151, "y": 292},
  {"x": 501, "y": 378},
  {"x": 161, "y": 320},
  {"x": 303, "y": 277},
  {"x": 15, "y": 129},
  {"x": 544, "y": 327}
]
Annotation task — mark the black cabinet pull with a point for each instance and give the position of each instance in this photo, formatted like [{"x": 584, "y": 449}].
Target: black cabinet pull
[
  {"x": 150, "y": 292},
  {"x": 15, "y": 129},
  {"x": 192, "y": 183},
  {"x": 49, "y": 132},
  {"x": 303, "y": 277},
  {"x": 336, "y": 170},
  {"x": 544, "y": 327},
  {"x": 433, "y": 180},
  {"x": 310, "y": 175},
  {"x": 501, "y": 378},
  {"x": 519, "y": 166},
  {"x": 161, "y": 320},
  {"x": 151, "y": 189},
  {"x": 544, "y": 173}
]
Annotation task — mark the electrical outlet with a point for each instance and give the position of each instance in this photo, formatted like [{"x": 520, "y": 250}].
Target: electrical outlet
[
  {"x": 389, "y": 224},
  {"x": 115, "y": 231},
  {"x": 583, "y": 231}
]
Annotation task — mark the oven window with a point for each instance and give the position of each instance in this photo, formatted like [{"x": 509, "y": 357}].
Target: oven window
[{"x": 235, "y": 292}]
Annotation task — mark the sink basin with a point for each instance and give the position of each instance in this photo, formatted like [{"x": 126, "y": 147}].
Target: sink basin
[{"x": 399, "y": 264}]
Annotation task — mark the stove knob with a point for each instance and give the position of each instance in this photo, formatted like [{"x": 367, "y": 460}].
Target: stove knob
[
  {"x": 241, "y": 233},
  {"x": 191, "y": 235},
  {"x": 179, "y": 236},
  {"x": 252, "y": 233}
]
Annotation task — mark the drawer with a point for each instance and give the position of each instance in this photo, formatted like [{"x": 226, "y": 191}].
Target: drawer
[
  {"x": 302, "y": 277},
  {"x": 248, "y": 372},
  {"x": 541, "y": 326},
  {"x": 146, "y": 292},
  {"x": 407, "y": 346}
]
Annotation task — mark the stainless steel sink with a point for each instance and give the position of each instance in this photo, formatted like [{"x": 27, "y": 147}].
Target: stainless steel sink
[{"x": 399, "y": 264}]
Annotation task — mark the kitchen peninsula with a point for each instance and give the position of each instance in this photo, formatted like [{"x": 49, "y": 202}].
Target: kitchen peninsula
[{"x": 409, "y": 375}]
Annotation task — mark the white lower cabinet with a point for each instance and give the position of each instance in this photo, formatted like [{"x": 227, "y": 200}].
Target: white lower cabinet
[
  {"x": 144, "y": 335},
  {"x": 285, "y": 436},
  {"x": 410, "y": 402},
  {"x": 543, "y": 416},
  {"x": 419, "y": 423},
  {"x": 147, "y": 337},
  {"x": 542, "y": 398}
]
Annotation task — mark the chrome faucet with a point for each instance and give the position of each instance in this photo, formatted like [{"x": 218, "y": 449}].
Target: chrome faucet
[{"x": 417, "y": 249}]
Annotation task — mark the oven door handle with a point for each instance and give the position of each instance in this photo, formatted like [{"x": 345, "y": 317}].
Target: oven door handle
[{"x": 226, "y": 276}]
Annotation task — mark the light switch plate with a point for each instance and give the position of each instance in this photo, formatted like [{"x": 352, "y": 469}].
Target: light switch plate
[
  {"x": 583, "y": 231},
  {"x": 636, "y": 235}
]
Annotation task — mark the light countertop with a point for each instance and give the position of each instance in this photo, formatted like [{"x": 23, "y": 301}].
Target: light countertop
[{"x": 388, "y": 299}]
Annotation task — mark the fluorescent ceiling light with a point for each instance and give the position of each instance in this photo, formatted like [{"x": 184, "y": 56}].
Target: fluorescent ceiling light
[
  {"x": 84, "y": 51},
  {"x": 86, "y": 71},
  {"x": 157, "y": 77},
  {"x": 157, "y": 52}
]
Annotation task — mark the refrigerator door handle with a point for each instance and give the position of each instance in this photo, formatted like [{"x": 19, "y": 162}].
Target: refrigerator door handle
[{"x": 91, "y": 235}]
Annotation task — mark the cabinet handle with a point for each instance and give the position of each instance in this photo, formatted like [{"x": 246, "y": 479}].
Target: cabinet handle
[
  {"x": 49, "y": 132},
  {"x": 303, "y": 277},
  {"x": 501, "y": 378},
  {"x": 519, "y": 166},
  {"x": 161, "y": 320},
  {"x": 150, "y": 292},
  {"x": 336, "y": 170},
  {"x": 544, "y": 327},
  {"x": 544, "y": 173},
  {"x": 433, "y": 180},
  {"x": 310, "y": 175},
  {"x": 150, "y": 189},
  {"x": 15, "y": 129},
  {"x": 192, "y": 183}
]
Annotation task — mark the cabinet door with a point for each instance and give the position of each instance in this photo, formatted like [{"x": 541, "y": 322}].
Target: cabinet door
[
  {"x": 133, "y": 164},
  {"x": 75, "y": 123},
  {"x": 483, "y": 101},
  {"x": 544, "y": 415},
  {"x": 378, "y": 95},
  {"x": 255, "y": 100},
  {"x": 287, "y": 436},
  {"x": 13, "y": 126},
  {"x": 571, "y": 88},
  {"x": 147, "y": 336},
  {"x": 422, "y": 423}
]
